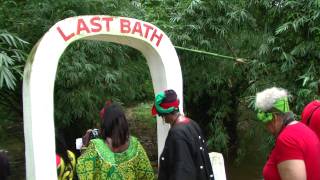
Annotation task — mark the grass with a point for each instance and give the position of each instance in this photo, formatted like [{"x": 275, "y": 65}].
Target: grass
[{"x": 142, "y": 113}]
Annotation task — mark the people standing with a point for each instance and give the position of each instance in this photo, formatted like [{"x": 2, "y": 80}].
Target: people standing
[
  {"x": 114, "y": 155},
  {"x": 311, "y": 114},
  {"x": 296, "y": 153},
  {"x": 185, "y": 154}
]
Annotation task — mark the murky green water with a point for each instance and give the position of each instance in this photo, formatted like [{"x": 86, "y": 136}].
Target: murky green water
[{"x": 245, "y": 171}]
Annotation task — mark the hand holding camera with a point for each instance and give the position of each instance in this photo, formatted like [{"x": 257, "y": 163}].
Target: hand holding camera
[
  {"x": 94, "y": 133},
  {"x": 84, "y": 141}
]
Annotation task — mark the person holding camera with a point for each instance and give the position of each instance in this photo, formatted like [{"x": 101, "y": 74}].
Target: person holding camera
[{"x": 114, "y": 154}]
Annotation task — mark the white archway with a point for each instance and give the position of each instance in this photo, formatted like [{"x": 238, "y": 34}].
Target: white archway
[{"x": 41, "y": 67}]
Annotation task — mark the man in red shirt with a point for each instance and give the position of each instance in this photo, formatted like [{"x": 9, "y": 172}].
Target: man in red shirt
[
  {"x": 311, "y": 116},
  {"x": 296, "y": 153}
]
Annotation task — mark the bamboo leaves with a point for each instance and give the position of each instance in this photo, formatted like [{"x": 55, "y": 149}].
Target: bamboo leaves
[{"x": 11, "y": 57}]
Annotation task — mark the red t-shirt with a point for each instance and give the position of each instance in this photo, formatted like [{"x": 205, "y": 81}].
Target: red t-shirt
[
  {"x": 314, "y": 122},
  {"x": 296, "y": 141}
]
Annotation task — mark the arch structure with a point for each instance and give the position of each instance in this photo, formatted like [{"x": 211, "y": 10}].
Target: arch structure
[{"x": 41, "y": 67}]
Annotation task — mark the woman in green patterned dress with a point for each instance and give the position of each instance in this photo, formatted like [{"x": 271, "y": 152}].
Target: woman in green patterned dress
[{"x": 115, "y": 155}]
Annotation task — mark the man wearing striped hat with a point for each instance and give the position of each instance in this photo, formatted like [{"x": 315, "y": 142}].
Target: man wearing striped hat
[{"x": 185, "y": 154}]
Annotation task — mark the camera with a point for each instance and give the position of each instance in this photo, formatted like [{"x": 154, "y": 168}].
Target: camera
[
  {"x": 94, "y": 134},
  {"x": 84, "y": 141}
]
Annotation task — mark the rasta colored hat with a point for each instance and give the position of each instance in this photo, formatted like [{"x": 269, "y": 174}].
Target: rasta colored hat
[
  {"x": 165, "y": 103},
  {"x": 269, "y": 101}
]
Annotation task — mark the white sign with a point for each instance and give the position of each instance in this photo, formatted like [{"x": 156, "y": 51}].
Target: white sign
[{"x": 41, "y": 67}]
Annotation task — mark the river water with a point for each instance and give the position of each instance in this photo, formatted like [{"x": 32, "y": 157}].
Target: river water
[{"x": 245, "y": 171}]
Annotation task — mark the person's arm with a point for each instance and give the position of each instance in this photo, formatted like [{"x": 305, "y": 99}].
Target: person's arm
[
  {"x": 86, "y": 163},
  {"x": 289, "y": 158},
  {"x": 85, "y": 141},
  {"x": 86, "y": 138},
  {"x": 292, "y": 170},
  {"x": 181, "y": 161}
]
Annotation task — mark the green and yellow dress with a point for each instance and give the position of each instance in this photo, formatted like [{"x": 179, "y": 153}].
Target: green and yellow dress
[
  {"x": 99, "y": 162},
  {"x": 66, "y": 170}
]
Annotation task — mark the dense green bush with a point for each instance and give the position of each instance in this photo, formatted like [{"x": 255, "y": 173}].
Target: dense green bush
[{"x": 278, "y": 40}]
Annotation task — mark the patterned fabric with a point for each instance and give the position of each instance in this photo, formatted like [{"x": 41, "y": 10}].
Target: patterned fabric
[
  {"x": 99, "y": 162},
  {"x": 66, "y": 171}
]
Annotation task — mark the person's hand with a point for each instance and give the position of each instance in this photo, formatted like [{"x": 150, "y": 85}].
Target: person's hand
[{"x": 86, "y": 138}]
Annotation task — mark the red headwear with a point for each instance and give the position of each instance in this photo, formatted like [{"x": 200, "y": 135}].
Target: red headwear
[
  {"x": 107, "y": 104},
  {"x": 165, "y": 102}
]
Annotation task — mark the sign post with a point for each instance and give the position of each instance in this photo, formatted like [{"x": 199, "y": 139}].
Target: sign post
[{"x": 41, "y": 67}]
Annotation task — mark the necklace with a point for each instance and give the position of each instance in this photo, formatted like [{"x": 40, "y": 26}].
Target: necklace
[{"x": 175, "y": 120}]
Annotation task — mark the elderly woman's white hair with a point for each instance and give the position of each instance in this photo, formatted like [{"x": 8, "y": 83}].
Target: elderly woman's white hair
[{"x": 266, "y": 98}]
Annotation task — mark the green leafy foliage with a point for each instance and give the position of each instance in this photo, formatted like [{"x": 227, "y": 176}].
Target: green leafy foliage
[
  {"x": 141, "y": 112},
  {"x": 12, "y": 58},
  {"x": 91, "y": 73},
  {"x": 279, "y": 39}
]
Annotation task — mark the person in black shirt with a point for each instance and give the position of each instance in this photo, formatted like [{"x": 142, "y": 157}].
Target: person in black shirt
[
  {"x": 185, "y": 154},
  {"x": 4, "y": 165}
]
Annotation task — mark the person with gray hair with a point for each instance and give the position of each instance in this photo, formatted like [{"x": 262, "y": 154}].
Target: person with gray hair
[{"x": 296, "y": 153}]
